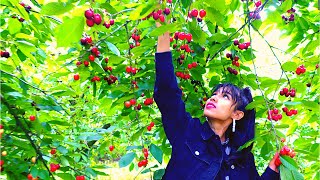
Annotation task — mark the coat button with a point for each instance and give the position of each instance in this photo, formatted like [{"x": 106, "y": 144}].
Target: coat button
[
  {"x": 196, "y": 153},
  {"x": 232, "y": 166}
]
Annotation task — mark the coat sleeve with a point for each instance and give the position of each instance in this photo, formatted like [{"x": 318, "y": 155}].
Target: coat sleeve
[
  {"x": 167, "y": 95},
  {"x": 268, "y": 174}
]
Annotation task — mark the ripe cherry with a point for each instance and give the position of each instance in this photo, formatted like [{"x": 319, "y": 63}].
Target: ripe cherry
[
  {"x": 202, "y": 13},
  {"x": 32, "y": 118},
  {"x": 111, "y": 148},
  {"x": 53, "y": 151},
  {"x": 133, "y": 102},
  {"x": 89, "y": 14},
  {"x": 76, "y": 77},
  {"x": 90, "y": 22},
  {"x": 127, "y": 104},
  {"x": 91, "y": 57},
  {"x": 97, "y": 19},
  {"x": 86, "y": 63},
  {"x": 111, "y": 22},
  {"x": 194, "y": 12}
]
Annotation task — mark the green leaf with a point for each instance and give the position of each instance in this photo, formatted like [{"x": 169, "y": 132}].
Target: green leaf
[
  {"x": 286, "y": 5},
  {"x": 185, "y": 3},
  {"x": 26, "y": 47},
  {"x": 156, "y": 153},
  {"x": 65, "y": 175},
  {"x": 311, "y": 105},
  {"x": 62, "y": 150},
  {"x": 126, "y": 159},
  {"x": 14, "y": 25},
  {"x": 59, "y": 122},
  {"x": 113, "y": 48},
  {"x": 96, "y": 65},
  {"x": 43, "y": 174},
  {"x": 157, "y": 175},
  {"x": 219, "y": 5},
  {"x": 64, "y": 161},
  {"x": 215, "y": 17},
  {"x": 56, "y": 8},
  {"x": 109, "y": 8},
  {"x": 297, "y": 175},
  {"x": 285, "y": 173},
  {"x": 291, "y": 103},
  {"x": 234, "y": 5},
  {"x": 289, "y": 66},
  {"x": 70, "y": 31},
  {"x": 247, "y": 144},
  {"x": 165, "y": 28},
  {"x": 135, "y": 15},
  {"x": 289, "y": 163}
]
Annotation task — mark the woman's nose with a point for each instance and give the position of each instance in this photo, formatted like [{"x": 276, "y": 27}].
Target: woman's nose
[{"x": 213, "y": 98}]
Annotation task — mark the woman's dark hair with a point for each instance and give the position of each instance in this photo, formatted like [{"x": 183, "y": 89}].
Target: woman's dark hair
[{"x": 244, "y": 127}]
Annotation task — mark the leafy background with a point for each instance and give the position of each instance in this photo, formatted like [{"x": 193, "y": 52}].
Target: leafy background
[{"x": 81, "y": 119}]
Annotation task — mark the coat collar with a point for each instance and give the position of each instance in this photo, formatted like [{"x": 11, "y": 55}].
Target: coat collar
[{"x": 207, "y": 132}]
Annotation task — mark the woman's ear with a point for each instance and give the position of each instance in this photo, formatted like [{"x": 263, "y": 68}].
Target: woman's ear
[{"x": 237, "y": 115}]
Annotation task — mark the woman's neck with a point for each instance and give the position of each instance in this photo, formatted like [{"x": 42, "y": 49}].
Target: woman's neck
[{"x": 220, "y": 128}]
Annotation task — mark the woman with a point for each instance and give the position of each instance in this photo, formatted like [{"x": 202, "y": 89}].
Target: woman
[{"x": 208, "y": 150}]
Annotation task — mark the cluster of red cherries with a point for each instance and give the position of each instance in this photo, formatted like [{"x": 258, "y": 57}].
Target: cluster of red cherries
[
  {"x": 276, "y": 116},
  {"x": 136, "y": 39},
  {"x": 80, "y": 177},
  {"x": 285, "y": 91},
  {"x": 92, "y": 18},
  {"x": 183, "y": 75},
  {"x": 144, "y": 161},
  {"x": 5, "y": 54},
  {"x": 159, "y": 14},
  {"x": 54, "y": 167},
  {"x": 300, "y": 70},
  {"x": 235, "y": 59},
  {"x": 194, "y": 13},
  {"x": 151, "y": 125},
  {"x": 241, "y": 46},
  {"x": 285, "y": 151}
]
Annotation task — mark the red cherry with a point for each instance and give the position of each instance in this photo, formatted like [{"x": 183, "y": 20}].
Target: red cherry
[
  {"x": 22, "y": 4},
  {"x": 128, "y": 69},
  {"x": 202, "y": 13},
  {"x": 289, "y": 113},
  {"x": 285, "y": 109},
  {"x": 317, "y": 66},
  {"x": 133, "y": 102},
  {"x": 144, "y": 162},
  {"x": 53, "y": 151},
  {"x": 106, "y": 60},
  {"x": 1, "y": 126},
  {"x": 136, "y": 37},
  {"x": 169, "y": 1},
  {"x": 228, "y": 55},
  {"x": 275, "y": 111},
  {"x": 29, "y": 177},
  {"x": 127, "y": 104},
  {"x": 80, "y": 177},
  {"x": 1, "y": 162},
  {"x": 258, "y": 3},
  {"x": 155, "y": 16},
  {"x": 32, "y": 118},
  {"x": 236, "y": 58},
  {"x": 292, "y": 93},
  {"x": 133, "y": 70},
  {"x": 107, "y": 25},
  {"x": 285, "y": 90},
  {"x": 89, "y": 14},
  {"x": 94, "y": 50},
  {"x": 97, "y": 19},
  {"x": 194, "y": 64},
  {"x": 152, "y": 124},
  {"x": 91, "y": 57},
  {"x": 194, "y": 12},
  {"x": 149, "y": 128},
  {"x": 283, "y": 140},
  {"x": 189, "y": 66},
  {"x": 188, "y": 37},
  {"x": 294, "y": 111},
  {"x": 140, "y": 164},
  {"x": 241, "y": 46},
  {"x": 182, "y": 56},
  {"x": 277, "y": 161},
  {"x": 86, "y": 63},
  {"x": 146, "y": 154},
  {"x": 90, "y": 22},
  {"x": 111, "y": 22},
  {"x": 139, "y": 107},
  {"x": 182, "y": 36},
  {"x": 166, "y": 11},
  {"x": 236, "y": 42},
  {"x": 76, "y": 77},
  {"x": 111, "y": 148}
]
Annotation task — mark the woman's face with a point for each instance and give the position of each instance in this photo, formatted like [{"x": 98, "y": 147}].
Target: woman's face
[{"x": 220, "y": 106}]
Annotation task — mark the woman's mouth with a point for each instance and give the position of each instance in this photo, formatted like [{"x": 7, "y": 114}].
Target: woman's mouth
[{"x": 210, "y": 105}]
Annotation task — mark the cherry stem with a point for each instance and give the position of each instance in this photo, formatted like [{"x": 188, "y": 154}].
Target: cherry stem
[{"x": 256, "y": 75}]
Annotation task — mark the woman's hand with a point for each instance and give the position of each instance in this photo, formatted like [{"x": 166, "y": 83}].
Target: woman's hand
[
  {"x": 272, "y": 164},
  {"x": 163, "y": 41}
]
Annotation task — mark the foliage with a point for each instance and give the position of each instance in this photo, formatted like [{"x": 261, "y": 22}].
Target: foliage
[{"x": 82, "y": 118}]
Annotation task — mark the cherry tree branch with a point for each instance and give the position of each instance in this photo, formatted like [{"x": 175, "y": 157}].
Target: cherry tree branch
[{"x": 27, "y": 132}]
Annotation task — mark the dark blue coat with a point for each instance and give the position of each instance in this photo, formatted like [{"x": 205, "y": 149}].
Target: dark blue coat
[{"x": 197, "y": 152}]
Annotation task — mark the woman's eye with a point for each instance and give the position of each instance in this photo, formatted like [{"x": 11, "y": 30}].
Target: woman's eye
[{"x": 226, "y": 96}]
